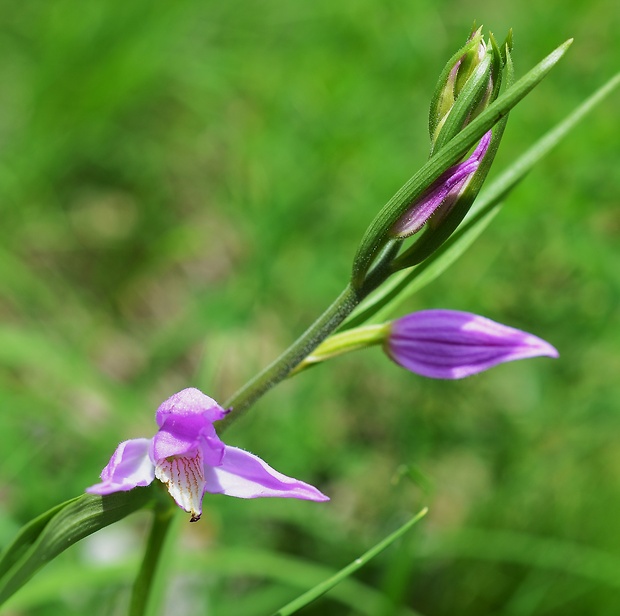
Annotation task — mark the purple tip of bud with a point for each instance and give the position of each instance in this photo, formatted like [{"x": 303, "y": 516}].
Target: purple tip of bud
[
  {"x": 454, "y": 71},
  {"x": 449, "y": 344},
  {"x": 443, "y": 193}
]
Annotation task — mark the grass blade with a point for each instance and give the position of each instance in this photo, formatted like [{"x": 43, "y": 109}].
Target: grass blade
[{"x": 328, "y": 584}]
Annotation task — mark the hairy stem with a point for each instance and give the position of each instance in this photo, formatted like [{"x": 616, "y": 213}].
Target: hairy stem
[{"x": 279, "y": 369}]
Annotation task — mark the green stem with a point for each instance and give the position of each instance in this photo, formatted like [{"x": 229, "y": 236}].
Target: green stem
[
  {"x": 279, "y": 369},
  {"x": 143, "y": 584}
]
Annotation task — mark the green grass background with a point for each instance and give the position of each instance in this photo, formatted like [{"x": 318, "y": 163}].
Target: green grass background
[{"x": 182, "y": 188}]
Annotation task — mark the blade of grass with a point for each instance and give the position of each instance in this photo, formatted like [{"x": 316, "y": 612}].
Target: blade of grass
[
  {"x": 328, "y": 584},
  {"x": 531, "y": 551}
]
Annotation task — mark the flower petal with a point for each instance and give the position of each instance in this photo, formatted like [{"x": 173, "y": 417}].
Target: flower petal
[
  {"x": 184, "y": 435},
  {"x": 186, "y": 424},
  {"x": 449, "y": 344},
  {"x": 130, "y": 466},
  {"x": 190, "y": 401},
  {"x": 245, "y": 475},
  {"x": 184, "y": 478}
]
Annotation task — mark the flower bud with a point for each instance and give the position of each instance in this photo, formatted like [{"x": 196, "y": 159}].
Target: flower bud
[
  {"x": 441, "y": 197},
  {"x": 449, "y": 344},
  {"x": 465, "y": 88},
  {"x": 469, "y": 83}
]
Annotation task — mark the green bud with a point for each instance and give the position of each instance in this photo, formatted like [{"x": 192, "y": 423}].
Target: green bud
[{"x": 467, "y": 85}]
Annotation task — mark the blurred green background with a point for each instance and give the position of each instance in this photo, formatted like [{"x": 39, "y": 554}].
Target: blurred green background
[{"x": 182, "y": 188}]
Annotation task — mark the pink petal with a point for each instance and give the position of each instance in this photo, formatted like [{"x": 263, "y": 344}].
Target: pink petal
[
  {"x": 245, "y": 475},
  {"x": 443, "y": 194},
  {"x": 190, "y": 401},
  {"x": 183, "y": 435},
  {"x": 130, "y": 466},
  {"x": 186, "y": 423}
]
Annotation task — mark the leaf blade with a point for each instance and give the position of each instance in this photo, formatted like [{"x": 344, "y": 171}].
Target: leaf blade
[
  {"x": 325, "y": 586},
  {"x": 53, "y": 532}
]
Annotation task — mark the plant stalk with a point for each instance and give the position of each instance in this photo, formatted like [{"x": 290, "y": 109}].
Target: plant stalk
[
  {"x": 279, "y": 369},
  {"x": 143, "y": 584}
]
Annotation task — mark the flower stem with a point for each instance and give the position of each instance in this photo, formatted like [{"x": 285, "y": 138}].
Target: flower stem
[
  {"x": 344, "y": 342},
  {"x": 279, "y": 369},
  {"x": 143, "y": 585}
]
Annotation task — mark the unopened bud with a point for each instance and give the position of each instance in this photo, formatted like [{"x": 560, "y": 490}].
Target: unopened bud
[
  {"x": 442, "y": 196},
  {"x": 469, "y": 75}
]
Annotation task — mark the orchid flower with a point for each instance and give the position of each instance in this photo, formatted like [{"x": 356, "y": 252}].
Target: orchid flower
[
  {"x": 187, "y": 455},
  {"x": 449, "y": 344}
]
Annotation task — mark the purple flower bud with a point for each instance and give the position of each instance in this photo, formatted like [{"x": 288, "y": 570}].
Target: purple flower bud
[
  {"x": 449, "y": 344},
  {"x": 441, "y": 197}
]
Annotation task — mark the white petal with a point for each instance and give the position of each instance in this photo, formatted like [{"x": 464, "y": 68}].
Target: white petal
[{"x": 185, "y": 480}]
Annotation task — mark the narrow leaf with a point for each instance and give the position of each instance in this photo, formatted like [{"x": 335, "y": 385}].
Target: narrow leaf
[
  {"x": 53, "y": 532},
  {"x": 325, "y": 586},
  {"x": 26, "y": 538},
  {"x": 224, "y": 564}
]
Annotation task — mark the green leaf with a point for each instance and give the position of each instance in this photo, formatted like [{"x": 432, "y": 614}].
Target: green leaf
[
  {"x": 26, "y": 537},
  {"x": 45, "y": 537},
  {"x": 531, "y": 551},
  {"x": 328, "y": 584},
  {"x": 383, "y": 302}
]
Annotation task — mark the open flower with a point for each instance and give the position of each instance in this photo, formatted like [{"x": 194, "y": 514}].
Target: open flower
[
  {"x": 188, "y": 456},
  {"x": 449, "y": 344}
]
